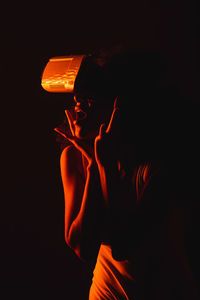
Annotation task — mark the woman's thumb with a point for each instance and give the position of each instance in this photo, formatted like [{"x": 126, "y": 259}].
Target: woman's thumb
[{"x": 102, "y": 129}]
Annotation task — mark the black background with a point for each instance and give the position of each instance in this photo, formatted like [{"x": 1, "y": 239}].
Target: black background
[{"x": 34, "y": 257}]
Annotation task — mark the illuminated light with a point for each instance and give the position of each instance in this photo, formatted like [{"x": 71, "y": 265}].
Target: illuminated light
[{"x": 60, "y": 73}]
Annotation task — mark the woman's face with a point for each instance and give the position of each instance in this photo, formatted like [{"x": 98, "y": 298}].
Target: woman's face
[{"x": 89, "y": 114}]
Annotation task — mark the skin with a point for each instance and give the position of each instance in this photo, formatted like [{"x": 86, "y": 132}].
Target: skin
[
  {"x": 87, "y": 140},
  {"x": 98, "y": 112}
]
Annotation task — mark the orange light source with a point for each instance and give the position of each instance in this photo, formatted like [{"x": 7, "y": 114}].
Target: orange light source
[{"x": 60, "y": 73}]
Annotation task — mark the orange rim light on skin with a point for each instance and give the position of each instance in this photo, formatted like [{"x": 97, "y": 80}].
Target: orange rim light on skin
[{"x": 60, "y": 73}]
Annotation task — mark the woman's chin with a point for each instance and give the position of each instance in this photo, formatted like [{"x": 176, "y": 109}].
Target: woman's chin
[{"x": 83, "y": 134}]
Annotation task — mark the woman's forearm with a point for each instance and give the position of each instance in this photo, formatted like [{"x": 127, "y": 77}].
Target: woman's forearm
[
  {"x": 112, "y": 189},
  {"x": 85, "y": 233}
]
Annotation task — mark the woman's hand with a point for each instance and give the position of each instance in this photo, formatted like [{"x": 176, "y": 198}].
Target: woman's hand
[
  {"x": 83, "y": 146},
  {"x": 106, "y": 141}
]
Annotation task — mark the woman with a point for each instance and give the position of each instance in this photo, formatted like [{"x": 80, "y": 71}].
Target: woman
[{"x": 123, "y": 208}]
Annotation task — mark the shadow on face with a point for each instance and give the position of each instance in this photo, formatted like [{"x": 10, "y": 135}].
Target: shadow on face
[{"x": 89, "y": 114}]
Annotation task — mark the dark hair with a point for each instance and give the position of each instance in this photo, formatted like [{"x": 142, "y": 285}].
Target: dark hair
[
  {"x": 92, "y": 79},
  {"x": 153, "y": 114}
]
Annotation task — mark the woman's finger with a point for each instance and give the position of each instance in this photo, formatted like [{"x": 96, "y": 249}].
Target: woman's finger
[
  {"x": 114, "y": 115},
  {"x": 102, "y": 130},
  {"x": 70, "y": 121},
  {"x": 113, "y": 119},
  {"x": 116, "y": 103},
  {"x": 80, "y": 145},
  {"x": 65, "y": 135},
  {"x": 69, "y": 137}
]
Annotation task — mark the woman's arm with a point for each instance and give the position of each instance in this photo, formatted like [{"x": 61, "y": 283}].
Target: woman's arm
[
  {"x": 119, "y": 194},
  {"x": 84, "y": 209}
]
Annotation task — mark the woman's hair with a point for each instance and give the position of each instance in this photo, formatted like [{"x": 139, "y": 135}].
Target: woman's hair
[{"x": 153, "y": 115}]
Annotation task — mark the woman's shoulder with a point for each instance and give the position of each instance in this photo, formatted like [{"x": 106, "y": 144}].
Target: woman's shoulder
[
  {"x": 70, "y": 152},
  {"x": 70, "y": 158}
]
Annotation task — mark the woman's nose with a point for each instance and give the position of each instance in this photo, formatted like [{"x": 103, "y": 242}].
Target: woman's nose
[
  {"x": 78, "y": 101},
  {"x": 75, "y": 99}
]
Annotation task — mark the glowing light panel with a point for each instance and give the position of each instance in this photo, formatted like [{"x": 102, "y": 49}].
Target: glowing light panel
[{"x": 60, "y": 73}]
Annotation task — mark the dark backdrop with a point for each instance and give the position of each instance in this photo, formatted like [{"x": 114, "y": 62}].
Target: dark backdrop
[{"x": 34, "y": 258}]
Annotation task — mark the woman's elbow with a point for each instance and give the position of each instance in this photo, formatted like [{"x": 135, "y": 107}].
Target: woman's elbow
[
  {"x": 74, "y": 247},
  {"x": 86, "y": 250}
]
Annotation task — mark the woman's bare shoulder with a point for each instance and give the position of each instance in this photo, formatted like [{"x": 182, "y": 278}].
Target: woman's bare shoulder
[
  {"x": 70, "y": 158},
  {"x": 69, "y": 151}
]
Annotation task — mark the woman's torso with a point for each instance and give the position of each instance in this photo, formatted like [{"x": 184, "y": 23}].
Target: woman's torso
[{"x": 155, "y": 270}]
